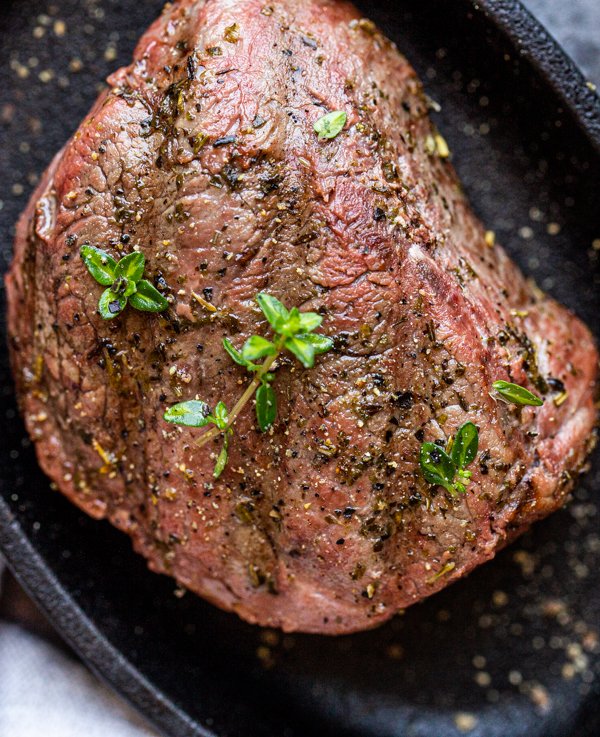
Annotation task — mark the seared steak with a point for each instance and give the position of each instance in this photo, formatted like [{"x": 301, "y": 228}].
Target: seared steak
[{"x": 202, "y": 155}]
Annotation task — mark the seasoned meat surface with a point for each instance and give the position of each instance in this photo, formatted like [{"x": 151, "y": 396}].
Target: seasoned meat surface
[{"x": 202, "y": 155}]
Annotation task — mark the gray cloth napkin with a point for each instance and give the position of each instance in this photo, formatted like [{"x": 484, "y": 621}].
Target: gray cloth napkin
[{"x": 576, "y": 25}]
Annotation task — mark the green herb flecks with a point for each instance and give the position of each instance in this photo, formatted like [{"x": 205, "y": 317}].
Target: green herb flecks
[
  {"x": 124, "y": 282},
  {"x": 441, "y": 467},
  {"x": 330, "y": 124},
  {"x": 294, "y": 332},
  {"x": 517, "y": 394}
]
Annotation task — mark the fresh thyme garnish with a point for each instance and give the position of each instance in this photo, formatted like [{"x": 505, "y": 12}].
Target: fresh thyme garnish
[
  {"x": 124, "y": 281},
  {"x": 517, "y": 394},
  {"x": 294, "y": 332},
  {"x": 330, "y": 124},
  {"x": 440, "y": 467}
]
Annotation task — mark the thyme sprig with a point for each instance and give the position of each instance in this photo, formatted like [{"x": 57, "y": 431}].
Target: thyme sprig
[
  {"x": 124, "y": 282},
  {"x": 294, "y": 332},
  {"x": 440, "y": 467}
]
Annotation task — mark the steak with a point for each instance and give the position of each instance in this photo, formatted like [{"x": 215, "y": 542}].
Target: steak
[{"x": 202, "y": 155}]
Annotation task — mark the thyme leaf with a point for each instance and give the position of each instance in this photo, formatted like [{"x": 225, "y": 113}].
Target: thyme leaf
[
  {"x": 302, "y": 349},
  {"x": 437, "y": 467},
  {"x": 131, "y": 267},
  {"x": 274, "y": 311},
  {"x": 517, "y": 394},
  {"x": 111, "y": 304},
  {"x": 266, "y": 406},
  {"x": 236, "y": 355},
  {"x": 147, "y": 298},
  {"x": 465, "y": 445},
  {"x": 257, "y": 347},
  {"x": 223, "y": 456},
  {"x": 192, "y": 414},
  {"x": 99, "y": 263},
  {"x": 330, "y": 124}
]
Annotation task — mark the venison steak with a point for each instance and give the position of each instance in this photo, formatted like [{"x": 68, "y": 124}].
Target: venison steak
[{"x": 202, "y": 155}]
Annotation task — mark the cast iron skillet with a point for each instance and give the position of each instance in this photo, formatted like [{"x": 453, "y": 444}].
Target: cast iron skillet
[{"x": 510, "y": 651}]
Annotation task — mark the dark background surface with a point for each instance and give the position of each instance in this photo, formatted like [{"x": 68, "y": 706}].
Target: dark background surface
[{"x": 511, "y": 651}]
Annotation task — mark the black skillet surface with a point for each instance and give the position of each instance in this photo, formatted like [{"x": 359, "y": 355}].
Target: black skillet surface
[{"x": 511, "y": 651}]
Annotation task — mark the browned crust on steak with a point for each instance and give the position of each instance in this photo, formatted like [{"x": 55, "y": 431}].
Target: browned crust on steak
[{"x": 324, "y": 524}]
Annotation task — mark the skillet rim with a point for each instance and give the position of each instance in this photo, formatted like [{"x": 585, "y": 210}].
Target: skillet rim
[{"x": 535, "y": 44}]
